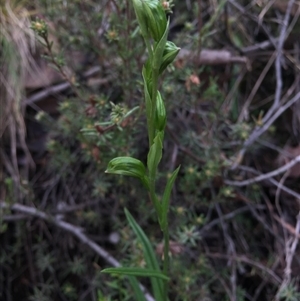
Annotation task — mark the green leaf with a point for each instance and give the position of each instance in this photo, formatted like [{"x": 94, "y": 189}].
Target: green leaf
[
  {"x": 166, "y": 197},
  {"x": 150, "y": 258},
  {"x": 141, "y": 17},
  {"x": 161, "y": 116},
  {"x": 138, "y": 272},
  {"x": 155, "y": 154},
  {"x": 128, "y": 166},
  {"x": 147, "y": 76},
  {"x": 147, "y": 92},
  {"x": 138, "y": 293},
  {"x": 130, "y": 112},
  {"x": 159, "y": 50}
]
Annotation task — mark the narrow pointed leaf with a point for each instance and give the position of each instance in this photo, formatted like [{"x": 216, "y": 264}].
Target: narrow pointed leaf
[
  {"x": 161, "y": 116},
  {"x": 155, "y": 154},
  {"x": 141, "y": 17},
  {"x": 130, "y": 112},
  {"x": 147, "y": 94},
  {"x": 138, "y": 272},
  {"x": 138, "y": 293},
  {"x": 166, "y": 196},
  {"x": 159, "y": 50},
  {"x": 149, "y": 255}
]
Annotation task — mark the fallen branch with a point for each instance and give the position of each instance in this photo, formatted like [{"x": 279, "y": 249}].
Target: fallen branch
[{"x": 212, "y": 57}]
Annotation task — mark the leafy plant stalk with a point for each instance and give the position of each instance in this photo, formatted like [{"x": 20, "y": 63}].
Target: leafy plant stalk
[{"x": 154, "y": 26}]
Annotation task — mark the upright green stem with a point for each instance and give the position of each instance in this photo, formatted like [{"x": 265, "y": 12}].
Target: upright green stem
[
  {"x": 154, "y": 27},
  {"x": 153, "y": 197},
  {"x": 166, "y": 260},
  {"x": 153, "y": 107}
]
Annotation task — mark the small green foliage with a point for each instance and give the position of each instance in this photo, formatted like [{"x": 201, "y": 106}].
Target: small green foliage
[
  {"x": 241, "y": 130},
  {"x": 227, "y": 192},
  {"x": 188, "y": 235},
  {"x": 112, "y": 35},
  {"x": 69, "y": 291},
  {"x": 210, "y": 170},
  {"x": 39, "y": 295},
  {"x": 289, "y": 292},
  {"x": 78, "y": 266},
  {"x": 101, "y": 187},
  {"x": 3, "y": 226},
  {"x": 40, "y": 27},
  {"x": 91, "y": 218},
  {"x": 45, "y": 262},
  {"x": 101, "y": 297},
  {"x": 117, "y": 113}
]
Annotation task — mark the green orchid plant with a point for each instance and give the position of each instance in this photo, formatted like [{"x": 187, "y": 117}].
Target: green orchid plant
[{"x": 154, "y": 27}]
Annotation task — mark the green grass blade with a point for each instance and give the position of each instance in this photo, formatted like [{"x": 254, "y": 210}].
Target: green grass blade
[
  {"x": 136, "y": 288},
  {"x": 138, "y": 272},
  {"x": 150, "y": 257}
]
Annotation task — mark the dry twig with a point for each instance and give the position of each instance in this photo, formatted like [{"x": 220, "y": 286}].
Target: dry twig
[
  {"x": 290, "y": 249},
  {"x": 266, "y": 176}
]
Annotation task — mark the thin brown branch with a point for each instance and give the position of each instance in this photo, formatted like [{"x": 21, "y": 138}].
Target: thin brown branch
[
  {"x": 271, "y": 180},
  {"x": 288, "y": 226},
  {"x": 290, "y": 249},
  {"x": 267, "y": 175},
  {"x": 279, "y": 57}
]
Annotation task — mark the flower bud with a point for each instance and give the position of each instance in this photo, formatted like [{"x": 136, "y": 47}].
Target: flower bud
[
  {"x": 157, "y": 20},
  {"x": 141, "y": 17},
  {"x": 160, "y": 114},
  {"x": 151, "y": 17},
  {"x": 169, "y": 54},
  {"x": 40, "y": 27}
]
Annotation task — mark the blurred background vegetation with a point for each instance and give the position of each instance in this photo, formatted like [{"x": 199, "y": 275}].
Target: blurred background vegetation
[{"x": 234, "y": 235}]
